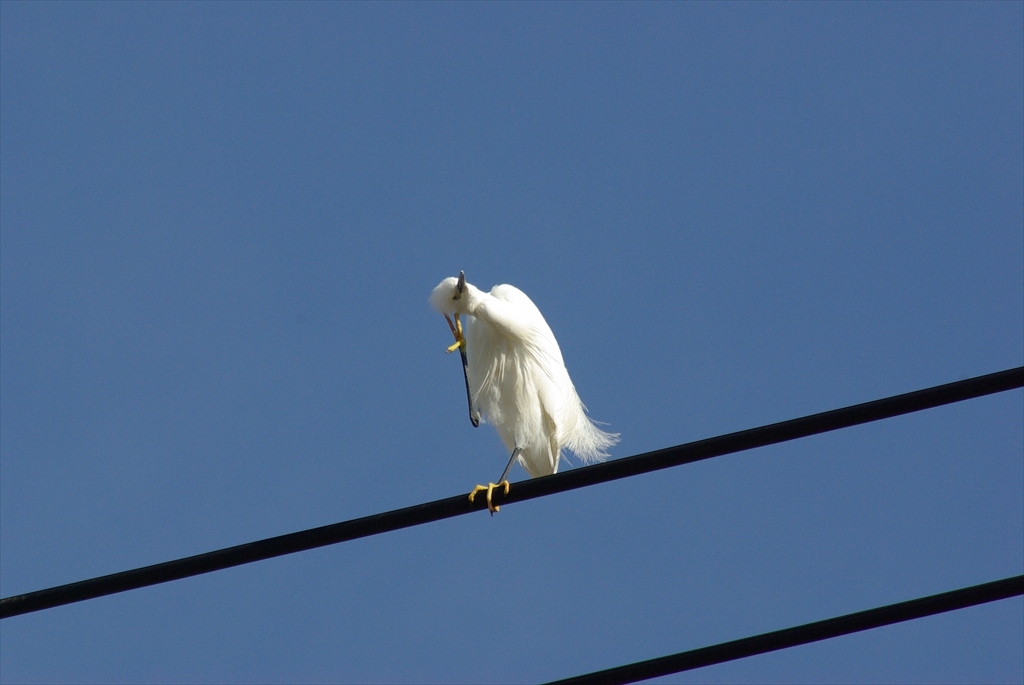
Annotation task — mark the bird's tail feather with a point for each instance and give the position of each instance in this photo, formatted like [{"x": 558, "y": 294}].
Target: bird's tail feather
[{"x": 588, "y": 442}]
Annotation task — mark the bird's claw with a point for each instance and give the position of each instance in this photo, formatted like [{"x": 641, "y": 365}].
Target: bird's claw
[
  {"x": 490, "y": 492},
  {"x": 460, "y": 339}
]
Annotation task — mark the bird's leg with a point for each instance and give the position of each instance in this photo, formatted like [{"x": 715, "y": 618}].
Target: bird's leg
[
  {"x": 460, "y": 339},
  {"x": 511, "y": 460},
  {"x": 460, "y": 345},
  {"x": 503, "y": 481}
]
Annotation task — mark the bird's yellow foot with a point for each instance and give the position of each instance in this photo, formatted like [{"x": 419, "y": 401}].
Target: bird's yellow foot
[
  {"x": 460, "y": 339},
  {"x": 490, "y": 492}
]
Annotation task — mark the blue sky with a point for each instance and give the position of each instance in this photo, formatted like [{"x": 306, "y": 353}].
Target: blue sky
[{"x": 219, "y": 226}]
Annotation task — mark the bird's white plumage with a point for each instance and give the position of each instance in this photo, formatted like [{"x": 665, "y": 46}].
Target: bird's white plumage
[{"x": 517, "y": 377}]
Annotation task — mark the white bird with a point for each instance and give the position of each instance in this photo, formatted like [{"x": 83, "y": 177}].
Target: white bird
[{"x": 514, "y": 373}]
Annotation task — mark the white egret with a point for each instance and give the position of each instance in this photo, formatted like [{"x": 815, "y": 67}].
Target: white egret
[{"x": 515, "y": 374}]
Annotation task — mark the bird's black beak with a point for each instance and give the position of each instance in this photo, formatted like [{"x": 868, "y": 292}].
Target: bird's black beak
[{"x": 462, "y": 282}]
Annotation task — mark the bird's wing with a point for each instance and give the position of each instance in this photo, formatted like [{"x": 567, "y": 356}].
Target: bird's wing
[
  {"x": 509, "y": 313},
  {"x": 509, "y": 293},
  {"x": 527, "y": 324}
]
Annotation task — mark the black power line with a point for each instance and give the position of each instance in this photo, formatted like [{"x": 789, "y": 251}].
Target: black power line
[
  {"x": 805, "y": 634},
  {"x": 521, "y": 491}
]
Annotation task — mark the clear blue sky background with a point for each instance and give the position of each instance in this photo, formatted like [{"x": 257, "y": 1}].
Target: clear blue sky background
[{"x": 220, "y": 226}]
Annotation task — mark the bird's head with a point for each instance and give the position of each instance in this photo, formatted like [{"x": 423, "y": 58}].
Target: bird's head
[{"x": 449, "y": 297}]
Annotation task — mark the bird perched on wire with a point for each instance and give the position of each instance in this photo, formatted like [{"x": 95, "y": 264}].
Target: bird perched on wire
[{"x": 515, "y": 374}]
